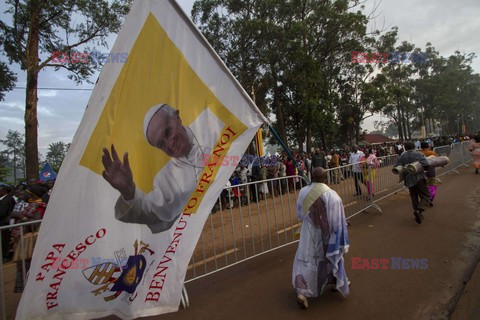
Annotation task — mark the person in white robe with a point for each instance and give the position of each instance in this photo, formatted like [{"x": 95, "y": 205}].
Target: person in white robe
[
  {"x": 174, "y": 183},
  {"x": 319, "y": 260}
]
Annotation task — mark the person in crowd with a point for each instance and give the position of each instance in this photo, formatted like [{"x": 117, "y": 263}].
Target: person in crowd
[
  {"x": 255, "y": 177},
  {"x": 237, "y": 194},
  {"x": 318, "y": 159},
  {"x": 319, "y": 260},
  {"x": 400, "y": 147},
  {"x": 244, "y": 189},
  {"x": 418, "y": 144},
  {"x": 263, "y": 186},
  {"x": 272, "y": 173},
  {"x": 226, "y": 196},
  {"x": 334, "y": 164},
  {"x": 291, "y": 170},
  {"x": 7, "y": 203},
  {"x": 282, "y": 173},
  {"x": 308, "y": 165},
  {"x": 475, "y": 152},
  {"x": 370, "y": 167},
  {"x": 415, "y": 182},
  {"x": 431, "y": 176},
  {"x": 34, "y": 210},
  {"x": 355, "y": 158}
]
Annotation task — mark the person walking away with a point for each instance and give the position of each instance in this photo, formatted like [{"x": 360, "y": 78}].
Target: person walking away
[
  {"x": 415, "y": 182},
  {"x": 319, "y": 260}
]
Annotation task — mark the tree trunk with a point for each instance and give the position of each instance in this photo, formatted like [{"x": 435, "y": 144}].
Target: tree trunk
[
  {"x": 31, "y": 122},
  {"x": 409, "y": 129},
  {"x": 279, "y": 115},
  {"x": 404, "y": 125},
  {"x": 399, "y": 124},
  {"x": 309, "y": 137},
  {"x": 324, "y": 141}
]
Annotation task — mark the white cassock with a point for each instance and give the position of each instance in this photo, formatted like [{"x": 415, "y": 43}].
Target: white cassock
[
  {"x": 323, "y": 242},
  {"x": 175, "y": 182}
]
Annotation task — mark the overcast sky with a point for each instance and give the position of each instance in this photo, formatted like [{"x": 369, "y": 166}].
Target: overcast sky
[{"x": 448, "y": 25}]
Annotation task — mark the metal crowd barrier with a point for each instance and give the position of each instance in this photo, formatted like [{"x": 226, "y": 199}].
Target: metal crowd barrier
[
  {"x": 9, "y": 270},
  {"x": 458, "y": 154},
  {"x": 254, "y": 218},
  {"x": 240, "y": 228},
  {"x": 247, "y": 221}
]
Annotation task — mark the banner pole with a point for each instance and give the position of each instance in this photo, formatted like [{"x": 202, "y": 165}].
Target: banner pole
[{"x": 289, "y": 154}]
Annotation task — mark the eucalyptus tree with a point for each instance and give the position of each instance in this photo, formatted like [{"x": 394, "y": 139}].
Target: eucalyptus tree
[{"x": 37, "y": 29}]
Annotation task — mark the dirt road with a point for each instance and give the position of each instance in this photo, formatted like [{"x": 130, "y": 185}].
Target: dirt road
[{"x": 448, "y": 238}]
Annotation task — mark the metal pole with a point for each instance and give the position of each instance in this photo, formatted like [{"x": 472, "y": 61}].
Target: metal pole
[{"x": 289, "y": 154}]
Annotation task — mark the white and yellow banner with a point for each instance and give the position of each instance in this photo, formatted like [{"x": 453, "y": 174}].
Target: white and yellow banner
[{"x": 141, "y": 176}]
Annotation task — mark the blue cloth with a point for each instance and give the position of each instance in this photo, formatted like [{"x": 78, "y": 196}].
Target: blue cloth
[{"x": 323, "y": 241}]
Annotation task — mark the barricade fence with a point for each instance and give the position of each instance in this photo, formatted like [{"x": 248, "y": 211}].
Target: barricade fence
[
  {"x": 13, "y": 276},
  {"x": 254, "y": 218},
  {"x": 458, "y": 154}
]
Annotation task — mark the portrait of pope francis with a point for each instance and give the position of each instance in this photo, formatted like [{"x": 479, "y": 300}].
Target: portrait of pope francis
[{"x": 173, "y": 184}]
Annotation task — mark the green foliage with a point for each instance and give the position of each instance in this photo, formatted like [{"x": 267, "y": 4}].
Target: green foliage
[
  {"x": 288, "y": 55},
  {"x": 56, "y": 153},
  {"x": 13, "y": 155},
  {"x": 7, "y": 80},
  {"x": 4, "y": 167},
  {"x": 294, "y": 58}
]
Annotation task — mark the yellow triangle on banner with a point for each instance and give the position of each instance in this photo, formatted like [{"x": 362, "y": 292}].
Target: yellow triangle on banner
[{"x": 156, "y": 72}]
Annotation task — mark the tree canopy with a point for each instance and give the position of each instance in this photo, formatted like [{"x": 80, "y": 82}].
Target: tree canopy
[{"x": 297, "y": 60}]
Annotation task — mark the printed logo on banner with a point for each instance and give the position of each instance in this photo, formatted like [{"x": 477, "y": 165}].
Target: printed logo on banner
[{"x": 124, "y": 276}]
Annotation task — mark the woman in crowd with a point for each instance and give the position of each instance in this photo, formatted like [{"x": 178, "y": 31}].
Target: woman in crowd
[{"x": 432, "y": 181}]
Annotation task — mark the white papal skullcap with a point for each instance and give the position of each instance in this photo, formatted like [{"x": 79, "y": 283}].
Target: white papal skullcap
[{"x": 153, "y": 110}]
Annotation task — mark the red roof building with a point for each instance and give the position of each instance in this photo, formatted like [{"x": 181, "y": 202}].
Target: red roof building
[{"x": 373, "y": 139}]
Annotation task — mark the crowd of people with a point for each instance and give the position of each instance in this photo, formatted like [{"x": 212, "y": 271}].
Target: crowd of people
[
  {"x": 22, "y": 203},
  {"x": 28, "y": 201},
  {"x": 364, "y": 160}
]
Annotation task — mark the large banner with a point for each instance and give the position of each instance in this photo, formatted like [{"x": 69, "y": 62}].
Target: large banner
[{"x": 142, "y": 174}]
